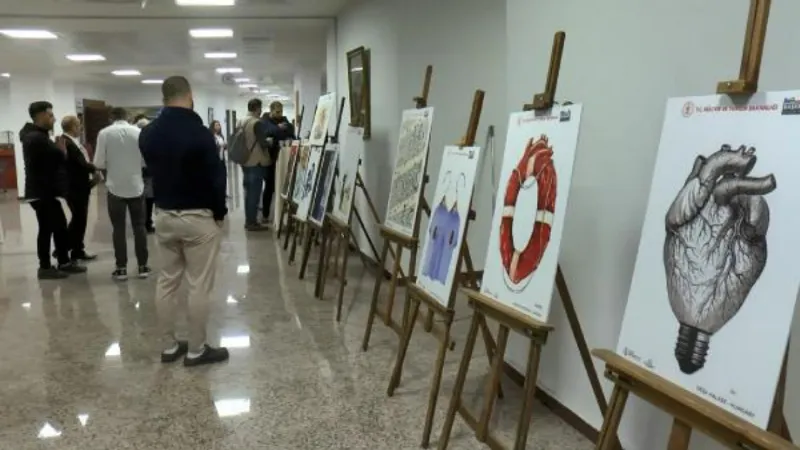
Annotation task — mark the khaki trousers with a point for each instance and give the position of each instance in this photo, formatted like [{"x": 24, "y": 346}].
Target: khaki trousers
[{"x": 189, "y": 247}]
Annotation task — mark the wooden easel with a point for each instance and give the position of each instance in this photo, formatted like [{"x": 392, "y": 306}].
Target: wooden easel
[
  {"x": 394, "y": 243},
  {"x": 339, "y": 236},
  {"x": 510, "y": 319},
  {"x": 689, "y": 411},
  {"x": 416, "y": 296}
]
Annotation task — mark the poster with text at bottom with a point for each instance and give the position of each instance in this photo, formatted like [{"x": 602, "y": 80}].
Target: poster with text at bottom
[
  {"x": 322, "y": 192},
  {"x": 326, "y": 109},
  {"x": 349, "y": 160},
  {"x": 308, "y": 183},
  {"x": 714, "y": 285},
  {"x": 529, "y": 213},
  {"x": 449, "y": 211},
  {"x": 409, "y": 170},
  {"x": 298, "y": 186}
]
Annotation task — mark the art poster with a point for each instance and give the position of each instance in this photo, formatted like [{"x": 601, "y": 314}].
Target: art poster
[
  {"x": 323, "y": 190},
  {"x": 714, "y": 285},
  {"x": 349, "y": 160},
  {"x": 449, "y": 211},
  {"x": 409, "y": 170},
  {"x": 326, "y": 109},
  {"x": 287, "y": 179},
  {"x": 528, "y": 219},
  {"x": 303, "y": 156},
  {"x": 308, "y": 184}
]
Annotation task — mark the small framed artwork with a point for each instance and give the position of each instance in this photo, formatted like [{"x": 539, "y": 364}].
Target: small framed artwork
[{"x": 358, "y": 80}]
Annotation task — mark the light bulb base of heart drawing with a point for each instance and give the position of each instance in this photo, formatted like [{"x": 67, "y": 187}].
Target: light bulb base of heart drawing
[
  {"x": 715, "y": 247},
  {"x": 691, "y": 348}
]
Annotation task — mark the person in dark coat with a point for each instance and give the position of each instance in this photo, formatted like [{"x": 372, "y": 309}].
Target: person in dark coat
[
  {"x": 46, "y": 181},
  {"x": 277, "y": 128},
  {"x": 82, "y": 177}
]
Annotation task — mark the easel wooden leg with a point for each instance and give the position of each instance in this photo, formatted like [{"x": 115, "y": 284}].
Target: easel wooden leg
[
  {"x": 436, "y": 383},
  {"x": 373, "y": 306},
  {"x": 531, "y": 376},
  {"x": 311, "y": 236},
  {"x": 343, "y": 247},
  {"x": 491, "y": 384},
  {"x": 326, "y": 237},
  {"x": 488, "y": 341},
  {"x": 393, "y": 285},
  {"x": 461, "y": 378},
  {"x": 326, "y": 266},
  {"x": 607, "y": 440},
  {"x": 290, "y": 229},
  {"x": 777, "y": 420},
  {"x": 299, "y": 230},
  {"x": 680, "y": 436},
  {"x": 408, "y": 330}
]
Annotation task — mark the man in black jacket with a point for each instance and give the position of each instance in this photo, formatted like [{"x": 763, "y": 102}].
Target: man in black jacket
[
  {"x": 189, "y": 190},
  {"x": 82, "y": 177},
  {"x": 277, "y": 128},
  {"x": 45, "y": 182}
]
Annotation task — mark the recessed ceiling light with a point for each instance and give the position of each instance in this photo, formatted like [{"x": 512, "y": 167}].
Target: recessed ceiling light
[
  {"x": 241, "y": 80},
  {"x": 126, "y": 73},
  {"x": 248, "y": 85},
  {"x": 205, "y": 2},
  {"x": 220, "y": 55},
  {"x": 153, "y": 81},
  {"x": 86, "y": 57},
  {"x": 28, "y": 34},
  {"x": 211, "y": 33},
  {"x": 263, "y": 91},
  {"x": 229, "y": 70},
  {"x": 5, "y": 75}
]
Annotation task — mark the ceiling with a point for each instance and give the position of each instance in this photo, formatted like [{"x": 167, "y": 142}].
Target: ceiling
[{"x": 273, "y": 39}]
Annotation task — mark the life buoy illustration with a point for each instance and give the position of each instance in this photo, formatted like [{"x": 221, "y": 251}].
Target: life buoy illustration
[{"x": 535, "y": 166}]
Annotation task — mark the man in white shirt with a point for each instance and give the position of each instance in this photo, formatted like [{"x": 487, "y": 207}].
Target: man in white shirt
[{"x": 118, "y": 154}]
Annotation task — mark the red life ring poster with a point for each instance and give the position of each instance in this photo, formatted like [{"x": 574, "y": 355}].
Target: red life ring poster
[
  {"x": 715, "y": 283},
  {"x": 529, "y": 213}
]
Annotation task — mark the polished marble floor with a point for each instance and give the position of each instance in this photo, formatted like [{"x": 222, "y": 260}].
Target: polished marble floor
[{"x": 80, "y": 370}]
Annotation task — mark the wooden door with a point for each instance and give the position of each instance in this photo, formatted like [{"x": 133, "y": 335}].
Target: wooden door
[{"x": 95, "y": 118}]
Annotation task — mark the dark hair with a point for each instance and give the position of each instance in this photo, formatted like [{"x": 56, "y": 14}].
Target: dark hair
[
  {"x": 174, "y": 87},
  {"x": 139, "y": 117},
  {"x": 275, "y": 104},
  {"x": 211, "y": 126},
  {"x": 254, "y": 105},
  {"x": 118, "y": 113},
  {"x": 36, "y": 108}
]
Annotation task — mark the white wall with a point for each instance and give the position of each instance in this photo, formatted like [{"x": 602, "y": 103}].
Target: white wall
[{"x": 403, "y": 39}]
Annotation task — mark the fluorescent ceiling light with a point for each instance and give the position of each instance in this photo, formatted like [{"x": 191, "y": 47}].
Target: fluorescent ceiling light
[
  {"x": 263, "y": 91},
  {"x": 5, "y": 75},
  {"x": 211, "y": 33},
  {"x": 248, "y": 85},
  {"x": 28, "y": 34},
  {"x": 126, "y": 73},
  {"x": 229, "y": 70},
  {"x": 86, "y": 57},
  {"x": 152, "y": 81},
  {"x": 242, "y": 80},
  {"x": 205, "y": 2},
  {"x": 220, "y": 55}
]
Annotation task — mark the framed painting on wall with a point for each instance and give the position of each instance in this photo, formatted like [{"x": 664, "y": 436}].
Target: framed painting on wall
[
  {"x": 322, "y": 193},
  {"x": 326, "y": 106},
  {"x": 449, "y": 211},
  {"x": 409, "y": 170},
  {"x": 358, "y": 81},
  {"x": 349, "y": 159},
  {"x": 714, "y": 287}
]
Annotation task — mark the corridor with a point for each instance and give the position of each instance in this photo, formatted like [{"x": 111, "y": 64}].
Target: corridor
[{"x": 80, "y": 361}]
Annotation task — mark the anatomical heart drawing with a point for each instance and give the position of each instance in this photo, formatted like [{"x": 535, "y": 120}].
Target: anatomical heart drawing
[{"x": 715, "y": 281}]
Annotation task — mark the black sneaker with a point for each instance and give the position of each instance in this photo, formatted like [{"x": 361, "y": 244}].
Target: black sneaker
[
  {"x": 83, "y": 256},
  {"x": 210, "y": 355},
  {"x": 51, "y": 273},
  {"x": 183, "y": 348},
  {"x": 144, "y": 272},
  {"x": 72, "y": 267},
  {"x": 121, "y": 274}
]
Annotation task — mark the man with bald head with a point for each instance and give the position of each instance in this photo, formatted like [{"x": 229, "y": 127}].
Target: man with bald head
[{"x": 82, "y": 176}]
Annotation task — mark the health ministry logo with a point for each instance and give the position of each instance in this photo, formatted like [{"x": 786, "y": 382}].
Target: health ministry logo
[{"x": 688, "y": 109}]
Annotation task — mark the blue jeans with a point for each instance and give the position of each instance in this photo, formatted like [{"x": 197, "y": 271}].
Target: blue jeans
[{"x": 253, "y": 186}]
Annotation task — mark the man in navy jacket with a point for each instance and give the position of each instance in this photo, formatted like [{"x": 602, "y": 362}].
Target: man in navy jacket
[
  {"x": 277, "y": 128},
  {"x": 189, "y": 191}
]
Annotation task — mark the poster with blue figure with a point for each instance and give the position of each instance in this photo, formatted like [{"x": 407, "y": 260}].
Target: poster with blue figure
[{"x": 445, "y": 233}]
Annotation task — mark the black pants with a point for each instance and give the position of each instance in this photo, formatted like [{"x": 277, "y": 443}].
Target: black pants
[
  {"x": 117, "y": 207},
  {"x": 52, "y": 225},
  {"x": 149, "y": 202},
  {"x": 269, "y": 191},
  {"x": 79, "y": 206}
]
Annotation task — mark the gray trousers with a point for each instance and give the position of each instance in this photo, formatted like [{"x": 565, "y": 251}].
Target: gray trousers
[{"x": 117, "y": 207}]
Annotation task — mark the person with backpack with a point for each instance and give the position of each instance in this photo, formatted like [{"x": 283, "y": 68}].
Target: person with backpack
[{"x": 250, "y": 148}]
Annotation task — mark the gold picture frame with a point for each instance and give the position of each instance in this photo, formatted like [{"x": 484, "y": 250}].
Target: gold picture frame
[{"x": 358, "y": 82}]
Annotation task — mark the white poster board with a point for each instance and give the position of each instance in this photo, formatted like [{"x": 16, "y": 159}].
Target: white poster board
[
  {"x": 322, "y": 192},
  {"x": 409, "y": 170},
  {"x": 326, "y": 109},
  {"x": 349, "y": 159},
  {"x": 532, "y": 199},
  {"x": 309, "y": 183},
  {"x": 449, "y": 211},
  {"x": 299, "y": 183},
  {"x": 714, "y": 286}
]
